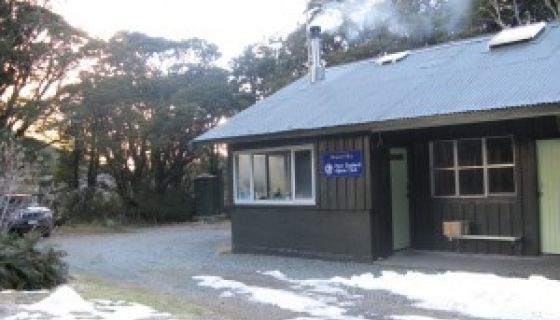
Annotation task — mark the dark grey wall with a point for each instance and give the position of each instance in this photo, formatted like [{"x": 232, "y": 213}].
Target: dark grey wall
[
  {"x": 516, "y": 215},
  {"x": 340, "y": 226},
  {"x": 352, "y": 218},
  {"x": 343, "y": 235},
  {"x": 353, "y": 193}
]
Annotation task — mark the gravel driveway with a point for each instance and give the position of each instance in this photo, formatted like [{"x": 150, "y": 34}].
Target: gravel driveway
[{"x": 166, "y": 259}]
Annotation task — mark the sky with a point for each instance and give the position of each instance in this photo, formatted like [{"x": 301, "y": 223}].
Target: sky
[{"x": 231, "y": 24}]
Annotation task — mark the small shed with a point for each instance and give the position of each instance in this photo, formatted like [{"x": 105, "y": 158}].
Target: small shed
[{"x": 209, "y": 195}]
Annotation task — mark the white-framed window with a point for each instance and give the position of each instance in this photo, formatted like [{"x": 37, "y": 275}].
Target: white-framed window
[
  {"x": 473, "y": 167},
  {"x": 279, "y": 176}
]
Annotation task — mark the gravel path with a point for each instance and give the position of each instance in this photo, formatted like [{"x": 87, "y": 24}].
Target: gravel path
[{"x": 165, "y": 259}]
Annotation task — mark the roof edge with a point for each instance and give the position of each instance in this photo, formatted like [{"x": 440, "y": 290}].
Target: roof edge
[{"x": 459, "y": 118}]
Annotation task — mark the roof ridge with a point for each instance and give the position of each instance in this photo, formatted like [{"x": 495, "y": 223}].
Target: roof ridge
[{"x": 437, "y": 46}]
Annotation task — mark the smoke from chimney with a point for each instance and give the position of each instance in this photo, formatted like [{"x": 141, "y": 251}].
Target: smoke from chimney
[
  {"x": 352, "y": 17},
  {"x": 316, "y": 67}
]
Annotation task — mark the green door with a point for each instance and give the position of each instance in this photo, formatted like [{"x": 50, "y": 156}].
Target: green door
[
  {"x": 399, "y": 199},
  {"x": 548, "y": 153}
]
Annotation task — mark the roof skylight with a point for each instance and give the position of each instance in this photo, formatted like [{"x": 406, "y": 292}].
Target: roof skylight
[
  {"x": 392, "y": 58},
  {"x": 517, "y": 34}
]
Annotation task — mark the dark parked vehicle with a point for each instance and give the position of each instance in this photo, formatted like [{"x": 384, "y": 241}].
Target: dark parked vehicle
[{"x": 24, "y": 216}]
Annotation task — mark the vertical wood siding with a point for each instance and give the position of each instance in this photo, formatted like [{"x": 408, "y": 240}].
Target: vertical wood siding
[
  {"x": 356, "y": 197},
  {"x": 352, "y": 193},
  {"x": 503, "y": 216},
  {"x": 516, "y": 215}
]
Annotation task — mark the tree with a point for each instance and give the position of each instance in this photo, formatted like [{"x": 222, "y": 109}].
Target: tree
[
  {"x": 506, "y": 13},
  {"x": 554, "y": 7},
  {"x": 15, "y": 176},
  {"x": 38, "y": 49},
  {"x": 134, "y": 114},
  {"x": 252, "y": 69}
]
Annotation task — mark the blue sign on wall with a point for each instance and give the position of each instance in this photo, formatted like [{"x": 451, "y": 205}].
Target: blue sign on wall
[{"x": 343, "y": 164}]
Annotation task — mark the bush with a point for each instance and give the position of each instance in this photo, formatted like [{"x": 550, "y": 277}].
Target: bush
[
  {"x": 25, "y": 267},
  {"x": 89, "y": 205},
  {"x": 173, "y": 206}
]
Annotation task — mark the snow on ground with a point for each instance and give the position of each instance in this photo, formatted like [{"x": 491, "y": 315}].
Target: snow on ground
[
  {"x": 314, "y": 285},
  {"x": 478, "y": 295},
  {"x": 66, "y": 304},
  {"x": 24, "y": 291},
  {"x": 313, "y": 306},
  {"x": 471, "y": 294},
  {"x": 412, "y": 317}
]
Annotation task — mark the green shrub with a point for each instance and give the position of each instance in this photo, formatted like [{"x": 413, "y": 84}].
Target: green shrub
[
  {"x": 105, "y": 207},
  {"x": 173, "y": 206},
  {"x": 89, "y": 205},
  {"x": 23, "y": 266}
]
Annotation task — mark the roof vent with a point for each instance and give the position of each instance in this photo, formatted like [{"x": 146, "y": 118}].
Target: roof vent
[
  {"x": 392, "y": 58},
  {"x": 517, "y": 35}
]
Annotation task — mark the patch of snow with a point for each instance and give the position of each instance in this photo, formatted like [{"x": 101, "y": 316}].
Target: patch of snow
[
  {"x": 66, "y": 304},
  {"x": 478, "y": 295},
  {"x": 284, "y": 299},
  {"x": 24, "y": 291},
  {"x": 63, "y": 301},
  {"x": 314, "y": 285},
  {"x": 276, "y": 274},
  {"x": 413, "y": 317},
  {"x": 19, "y": 316},
  {"x": 471, "y": 294},
  {"x": 227, "y": 294}
]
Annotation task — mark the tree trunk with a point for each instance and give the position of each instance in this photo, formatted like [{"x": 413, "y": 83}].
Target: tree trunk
[
  {"x": 92, "y": 168},
  {"x": 554, "y": 7}
]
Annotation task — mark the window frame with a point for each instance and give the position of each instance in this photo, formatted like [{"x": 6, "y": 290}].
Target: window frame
[
  {"x": 485, "y": 167},
  {"x": 290, "y": 202}
]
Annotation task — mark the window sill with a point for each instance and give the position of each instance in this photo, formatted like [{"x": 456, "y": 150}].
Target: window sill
[
  {"x": 278, "y": 203},
  {"x": 489, "y": 196}
]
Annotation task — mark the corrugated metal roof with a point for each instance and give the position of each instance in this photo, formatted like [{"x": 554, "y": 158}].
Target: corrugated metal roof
[{"x": 463, "y": 76}]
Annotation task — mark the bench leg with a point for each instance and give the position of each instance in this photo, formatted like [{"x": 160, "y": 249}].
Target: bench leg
[
  {"x": 519, "y": 247},
  {"x": 455, "y": 245}
]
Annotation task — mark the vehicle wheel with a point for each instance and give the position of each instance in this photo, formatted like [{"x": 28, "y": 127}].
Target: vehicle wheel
[{"x": 46, "y": 233}]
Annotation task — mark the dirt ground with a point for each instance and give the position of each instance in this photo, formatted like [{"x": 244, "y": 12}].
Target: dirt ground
[{"x": 166, "y": 259}]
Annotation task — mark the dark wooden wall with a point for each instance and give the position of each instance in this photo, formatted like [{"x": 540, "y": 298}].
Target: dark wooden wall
[
  {"x": 339, "y": 226},
  {"x": 516, "y": 215},
  {"x": 352, "y": 217},
  {"x": 353, "y": 193}
]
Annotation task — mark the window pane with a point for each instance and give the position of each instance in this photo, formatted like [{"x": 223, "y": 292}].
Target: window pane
[
  {"x": 444, "y": 182},
  {"x": 501, "y": 180},
  {"x": 469, "y": 152},
  {"x": 243, "y": 169},
  {"x": 279, "y": 176},
  {"x": 443, "y": 154},
  {"x": 471, "y": 182},
  {"x": 259, "y": 176},
  {"x": 303, "y": 173},
  {"x": 500, "y": 150}
]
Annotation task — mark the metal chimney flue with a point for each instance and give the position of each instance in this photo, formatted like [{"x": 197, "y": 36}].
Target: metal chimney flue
[{"x": 316, "y": 67}]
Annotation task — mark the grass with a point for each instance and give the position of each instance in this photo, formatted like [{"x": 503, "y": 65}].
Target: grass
[
  {"x": 90, "y": 228},
  {"x": 91, "y": 287},
  {"x": 101, "y": 228}
]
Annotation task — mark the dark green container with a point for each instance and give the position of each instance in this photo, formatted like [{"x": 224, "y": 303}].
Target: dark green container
[{"x": 209, "y": 197}]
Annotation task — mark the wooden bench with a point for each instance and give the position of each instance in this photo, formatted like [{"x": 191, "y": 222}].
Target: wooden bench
[{"x": 511, "y": 239}]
